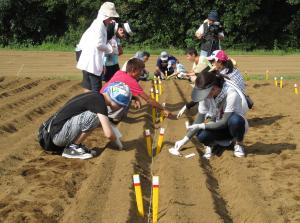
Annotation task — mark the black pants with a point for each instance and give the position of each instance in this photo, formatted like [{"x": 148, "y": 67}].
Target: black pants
[
  {"x": 90, "y": 81},
  {"x": 110, "y": 71}
]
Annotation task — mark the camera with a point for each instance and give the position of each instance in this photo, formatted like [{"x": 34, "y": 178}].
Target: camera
[{"x": 214, "y": 29}]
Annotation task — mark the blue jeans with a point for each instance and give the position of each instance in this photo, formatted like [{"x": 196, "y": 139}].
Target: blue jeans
[{"x": 235, "y": 130}]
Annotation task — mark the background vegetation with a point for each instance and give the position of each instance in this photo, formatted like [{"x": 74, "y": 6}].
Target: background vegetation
[{"x": 248, "y": 25}]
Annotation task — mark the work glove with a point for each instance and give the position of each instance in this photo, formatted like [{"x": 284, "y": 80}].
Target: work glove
[
  {"x": 196, "y": 127},
  {"x": 175, "y": 150},
  {"x": 182, "y": 110}
]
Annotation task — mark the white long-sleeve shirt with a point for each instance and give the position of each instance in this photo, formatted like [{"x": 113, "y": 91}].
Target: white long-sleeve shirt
[{"x": 93, "y": 44}]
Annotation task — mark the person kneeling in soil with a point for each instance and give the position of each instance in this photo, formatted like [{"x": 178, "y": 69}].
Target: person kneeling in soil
[
  {"x": 82, "y": 114},
  {"x": 134, "y": 69},
  {"x": 226, "y": 66},
  {"x": 221, "y": 123}
]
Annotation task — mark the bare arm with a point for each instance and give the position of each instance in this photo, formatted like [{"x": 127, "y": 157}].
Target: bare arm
[
  {"x": 155, "y": 104},
  {"x": 108, "y": 132}
]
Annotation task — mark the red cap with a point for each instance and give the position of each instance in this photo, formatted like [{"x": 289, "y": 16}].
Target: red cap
[{"x": 218, "y": 55}]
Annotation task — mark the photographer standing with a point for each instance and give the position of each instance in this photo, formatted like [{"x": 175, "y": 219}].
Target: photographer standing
[{"x": 210, "y": 33}]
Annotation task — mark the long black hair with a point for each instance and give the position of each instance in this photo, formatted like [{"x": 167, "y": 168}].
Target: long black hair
[
  {"x": 209, "y": 77},
  {"x": 229, "y": 65}
]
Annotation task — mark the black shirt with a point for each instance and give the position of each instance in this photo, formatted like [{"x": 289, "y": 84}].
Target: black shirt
[
  {"x": 91, "y": 101},
  {"x": 164, "y": 68}
]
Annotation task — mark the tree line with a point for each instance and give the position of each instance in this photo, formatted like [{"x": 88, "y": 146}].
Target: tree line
[{"x": 248, "y": 25}]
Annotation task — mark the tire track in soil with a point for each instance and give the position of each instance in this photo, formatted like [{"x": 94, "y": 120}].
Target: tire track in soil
[
  {"x": 28, "y": 175},
  {"x": 110, "y": 182},
  {"x": 13, "y": 107},
  {"x": 142, "y": 164},
  {"x": 8, "y": 82},
  {"x": 235, "y": 196},
  {"x": 212, "y": 183},
  {"x": 184, "y": 194},
  {"x": 23, "y": 88},
  {"x": 17, "y": 123},
  {"x": 31, "y": 121}
]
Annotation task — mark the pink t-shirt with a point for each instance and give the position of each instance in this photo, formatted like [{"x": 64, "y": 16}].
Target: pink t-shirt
[{"x": 121, "y": 76}]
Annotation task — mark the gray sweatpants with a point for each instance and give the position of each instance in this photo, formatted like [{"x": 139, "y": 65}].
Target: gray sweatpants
[{"x": 83, "y": 122}]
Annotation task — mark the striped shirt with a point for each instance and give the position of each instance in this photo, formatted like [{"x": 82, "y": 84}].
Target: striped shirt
[{"x": 234, "y": 76}]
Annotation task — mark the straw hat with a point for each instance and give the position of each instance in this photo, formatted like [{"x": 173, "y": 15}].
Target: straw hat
[{"x": 108, "y": 9}]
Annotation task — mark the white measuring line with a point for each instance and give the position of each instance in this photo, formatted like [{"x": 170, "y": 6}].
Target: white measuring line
[
  {"x": 155, "y": 138},
  {"x": 21, "y": 68}
]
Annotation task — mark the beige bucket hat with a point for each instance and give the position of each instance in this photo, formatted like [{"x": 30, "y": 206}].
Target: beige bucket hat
[{"x": 108, "y": 9}]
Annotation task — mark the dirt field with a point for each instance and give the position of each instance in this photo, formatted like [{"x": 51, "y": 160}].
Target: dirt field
[{"x": 38, "y": 187}]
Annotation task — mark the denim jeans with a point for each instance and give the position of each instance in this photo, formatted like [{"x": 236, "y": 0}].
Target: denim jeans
[{"x": 235, "y": 130}]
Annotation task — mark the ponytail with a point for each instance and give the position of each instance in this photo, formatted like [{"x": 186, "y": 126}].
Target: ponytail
[{"x": 229, "y": 65}]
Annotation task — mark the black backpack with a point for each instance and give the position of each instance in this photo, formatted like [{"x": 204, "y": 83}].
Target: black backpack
[{"x": 44, "y": 137}]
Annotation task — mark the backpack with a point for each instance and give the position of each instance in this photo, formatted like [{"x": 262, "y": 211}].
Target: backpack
[{"x": 44, "y": 136}]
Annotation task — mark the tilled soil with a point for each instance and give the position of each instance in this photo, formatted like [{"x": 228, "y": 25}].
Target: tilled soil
[{"x": 40, "y": 187}]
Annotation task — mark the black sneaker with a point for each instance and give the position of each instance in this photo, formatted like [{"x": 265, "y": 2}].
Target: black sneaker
[
  {"x": 76, "y": 152},
  {"x": 88, "y": 150}
]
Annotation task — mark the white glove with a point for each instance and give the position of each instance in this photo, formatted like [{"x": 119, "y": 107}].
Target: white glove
[
  {"x": 181, "y": 143},
  {"x": 196, "y": 127},
  {"x": 175, "y": 150},
  {"x": 182, "y": 110}
]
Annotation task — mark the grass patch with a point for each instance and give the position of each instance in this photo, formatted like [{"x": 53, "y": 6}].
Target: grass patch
[{"x": 132, "y": 49}]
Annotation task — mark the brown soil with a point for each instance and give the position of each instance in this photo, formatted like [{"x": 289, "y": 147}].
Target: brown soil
[
  {"x": 62, "y": 65},
  {"x": 38, "y": 187}
]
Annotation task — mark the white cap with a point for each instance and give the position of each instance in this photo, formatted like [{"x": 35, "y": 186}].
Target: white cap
[
  {"x": 127, "y": 29},
  {"x": 108, "y": 9},
  {"x": 164, "y": 55}
]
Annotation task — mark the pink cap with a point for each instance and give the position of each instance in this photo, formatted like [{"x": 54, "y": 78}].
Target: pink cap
[{"x": 218, "y": 55}]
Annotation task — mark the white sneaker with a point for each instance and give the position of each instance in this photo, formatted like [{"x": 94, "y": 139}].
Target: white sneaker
[
  {"x": 238, "y": 151},
  {"x": 207, "y": 153},
  {"x": 76, "y": 152}
]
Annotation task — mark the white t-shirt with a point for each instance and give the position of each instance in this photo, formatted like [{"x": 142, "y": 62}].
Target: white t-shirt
[{"x": 231, "y": 103}]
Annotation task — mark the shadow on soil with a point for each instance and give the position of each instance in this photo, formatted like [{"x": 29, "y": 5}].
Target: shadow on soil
[
  {"x": 259, "y": 148},
  {"x": 268, "y": 120},
  {"x": 220, "y": 204}
]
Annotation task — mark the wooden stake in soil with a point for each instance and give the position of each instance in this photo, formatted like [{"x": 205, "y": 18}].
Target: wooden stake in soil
[
  {"x": 148, "y": 142},
  {"x": 152, "y": 93},
  {"x": 267, "y": 75},
  {"x": 138, "y": 194},
  {"x": 275, "y": 82},
  {"x": 159, "y": 86},
  {"x": 296, "y": 88},
  {"x": 157, "y": 95},
  {"x": 281, "y": 82},
  {"x": 155, "y": 188},
  {"x": 160, "y": 140}
]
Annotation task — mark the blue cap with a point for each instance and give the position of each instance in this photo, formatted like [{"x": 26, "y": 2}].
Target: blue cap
[
  {"x": 171, "y": 62},
  {"x": 119, "y": 92},
  {"x": 213, "y": 15}
]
